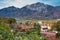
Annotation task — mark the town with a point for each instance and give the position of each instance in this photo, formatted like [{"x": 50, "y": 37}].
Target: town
[
  {"x": 29, "y": 29},
  {"x": 29, "y": 19}
]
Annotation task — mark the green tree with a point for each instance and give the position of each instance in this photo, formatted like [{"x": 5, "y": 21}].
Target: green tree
[
  {"x": 4, "y": 31},
  {"x": 56, "y": 27},
  {"x": 37, "y": 27},
  {"x": 11, "y": 20},
  {"x": 27, "y": 23}
]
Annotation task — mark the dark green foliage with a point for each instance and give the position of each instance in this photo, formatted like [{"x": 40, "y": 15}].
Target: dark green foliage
[
  {"x": 56, "y": 26},
  {"x": 37, "y": 26},
  {"x": 27, "y": 23},
  {"x": 58, "y": 35},
  {"x": 11, "y": 20},
  {"x": 8, "y": 20}
]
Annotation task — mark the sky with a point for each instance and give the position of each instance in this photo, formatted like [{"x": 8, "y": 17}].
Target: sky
[{"x": 21, "y": 3}]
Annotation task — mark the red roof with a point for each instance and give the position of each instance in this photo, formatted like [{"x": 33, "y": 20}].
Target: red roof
[
  {"x": 25, "y": 27},
  {"x": 48, "y": 33}
]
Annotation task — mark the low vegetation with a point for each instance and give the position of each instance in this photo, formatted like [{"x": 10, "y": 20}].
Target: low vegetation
[{"x": 6, "y": 33}]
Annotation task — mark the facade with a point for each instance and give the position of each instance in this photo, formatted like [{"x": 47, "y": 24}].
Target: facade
[{"x": 44, "y": 26}]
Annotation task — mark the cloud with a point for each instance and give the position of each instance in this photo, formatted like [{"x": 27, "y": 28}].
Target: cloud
[
  {"x": 16, "y": 3},
  {"x": 21, "y": 3}
]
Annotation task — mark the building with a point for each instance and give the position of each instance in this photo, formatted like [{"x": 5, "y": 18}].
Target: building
[
  {"x": 49, "y": 35},
  {"x": 23, "y": 27},
  {"x": 44, "y": 26}
]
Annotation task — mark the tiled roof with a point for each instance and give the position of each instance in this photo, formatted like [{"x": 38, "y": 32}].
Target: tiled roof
[
  {"x": 24, "y": 27},
  {"x": 48, "y": 33}
]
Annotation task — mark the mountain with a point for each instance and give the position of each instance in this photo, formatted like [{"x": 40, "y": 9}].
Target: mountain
[
  {"x": 9, "y": 12},
  {"x": 57, "y": 12},
  {"x": 34, "y": 11}
]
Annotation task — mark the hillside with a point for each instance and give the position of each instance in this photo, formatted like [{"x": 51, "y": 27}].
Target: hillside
[{"x": 34, "y": 11}]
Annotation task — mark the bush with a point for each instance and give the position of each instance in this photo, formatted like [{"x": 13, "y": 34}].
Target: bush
[{"x": 58, "y": 35}]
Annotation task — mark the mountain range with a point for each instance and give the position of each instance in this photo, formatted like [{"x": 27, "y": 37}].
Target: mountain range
[{"x": 34, "y": 11}]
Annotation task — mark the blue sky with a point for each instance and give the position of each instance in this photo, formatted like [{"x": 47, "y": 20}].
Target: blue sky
[{"x": 21, "y": 3}]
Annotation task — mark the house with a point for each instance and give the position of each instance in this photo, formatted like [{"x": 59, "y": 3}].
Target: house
[
  {"x": 23, "y": 27},
  {"x": 49, "y": 35},
  {"x": 44, "y": 26}
]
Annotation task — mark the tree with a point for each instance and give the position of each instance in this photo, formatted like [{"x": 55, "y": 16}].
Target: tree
[
  {"x": 56, "y": 27},
  {"x": 4, "y": 31},
  {"x": 27, "y": 23},
  {"x": 37, "y": 27},
  {"x": 11, "y": 20}
]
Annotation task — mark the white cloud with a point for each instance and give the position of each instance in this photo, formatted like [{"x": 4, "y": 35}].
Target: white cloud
[
  {"x": 21, "y": 3},
  {"x": 18, "y": 3}
]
